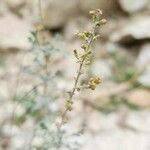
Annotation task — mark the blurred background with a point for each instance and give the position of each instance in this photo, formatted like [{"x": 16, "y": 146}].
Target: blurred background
[{"x": 116, "y": 116}]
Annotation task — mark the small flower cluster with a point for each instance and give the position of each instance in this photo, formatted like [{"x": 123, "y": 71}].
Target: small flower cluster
[
  {"x": 83, "y": 59},
  {"x": 96, "y": 17},
  {"x": 85, "y": 55},
  {"x": 93, "y": 82},
  {"x": 39, "y": 27},
  {"x": 88, "y": 37},
  {"x": 69, "y": 105}
]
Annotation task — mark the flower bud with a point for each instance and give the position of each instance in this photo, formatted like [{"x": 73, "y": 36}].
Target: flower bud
[
  {"x": 103, "y": 21},
  {"x": 92, "y": 12}
]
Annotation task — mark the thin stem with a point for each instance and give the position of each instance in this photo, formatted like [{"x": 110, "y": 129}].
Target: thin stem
[{"x": 73, "y": 90}]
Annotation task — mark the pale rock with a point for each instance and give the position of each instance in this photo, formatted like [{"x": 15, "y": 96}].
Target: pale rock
[
  {"x": 105, "y": 6},
  {"x": 103, "y": 92},
  {"x": 132, "y": 6},
  {"x": 86, "y": 5},
  {"x": 136, "y": 28},
  {"x": 10, "y": 129},
  {"x": 117, "y": 139},
  {"x": 143, "y": 58},
  {"x": 58, "y": 12},
  {"x": 79, "y": 23},
  {"x": 3, "y": 89},
  {"x": 144, "y": 79},
  {"x": 14, "y": 33},
  {"x": 15, "y": 5},
  {"x": 139, "y": 97},
  {"x": 136, "y": 119},
  {"x": 6, "y": 110},
  {"x": 96, "y": 122},
  {"x": 108, "y": 28},
  {"x": 101, "y": 68},
  {"x": 55, "y": 13},
  {"x": 37, "y": 141},
  {"x": 143, "y": 63},
  {"x": 3, "y": 7},
  {"x": 82, "y": 23},
  {"x": 18, "y": 141}
]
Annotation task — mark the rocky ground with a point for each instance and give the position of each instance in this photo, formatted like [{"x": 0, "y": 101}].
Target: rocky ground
[{"x": 116, "y": 116}]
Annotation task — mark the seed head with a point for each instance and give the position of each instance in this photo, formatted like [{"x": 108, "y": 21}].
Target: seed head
[{"x": 69, "y": 105}]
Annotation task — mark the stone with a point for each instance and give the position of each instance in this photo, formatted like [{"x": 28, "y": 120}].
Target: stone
[
  {"x": 79, "y": 23},
  {"x": 139, "y": 97},
  {"x": 132, "y": 6},
  {"x": 143, "y": 64},
  {"x": 144, "y": 79},
  {"x": 143, "y": 58},
  {"x": 3, "y": 7},
  {"x": 105, "y": 6},
  {"x": 15, "y": 5},
  {"x": 136, "y": 28},
  {"x": 101, "y": 68},
  {"x": 55, "y": 13},
  {"x": 14, "y": 33}
]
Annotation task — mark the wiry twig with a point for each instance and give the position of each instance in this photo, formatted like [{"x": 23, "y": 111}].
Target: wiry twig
[{"x": 97, "y": 22}]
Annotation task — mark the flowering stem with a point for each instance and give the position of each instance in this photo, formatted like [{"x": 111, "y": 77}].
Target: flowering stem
[
  {"x": 63, "y": 116},
  {"x": 84, "y": 59}
]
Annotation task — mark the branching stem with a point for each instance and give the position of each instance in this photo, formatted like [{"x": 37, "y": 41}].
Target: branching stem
[{"x": 72, "y": 93}]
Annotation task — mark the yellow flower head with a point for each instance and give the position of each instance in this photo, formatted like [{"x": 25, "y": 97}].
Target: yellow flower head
[
  {"x": 92, "y": 84},
  {"x": 69, "y": 105}
]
